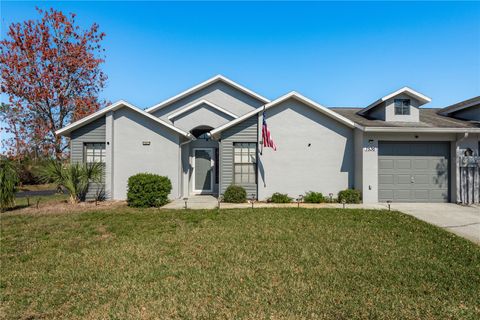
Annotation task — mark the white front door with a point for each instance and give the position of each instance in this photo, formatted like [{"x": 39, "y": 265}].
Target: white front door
[{"x": 202, "y": 177}]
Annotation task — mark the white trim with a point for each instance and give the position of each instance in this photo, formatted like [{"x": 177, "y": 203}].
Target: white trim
[
  {"x": 198, "y": 103},
  {"x": 420, "y": 129},
  {"x": 468, "y": 105},
  {"x": 117, "y": 105},
  {"x": 422, "y": 98},
  {"x": 194, "y": 191},
  {"x": 275, "y": 102},
  {"x": 203, "y": 85}
]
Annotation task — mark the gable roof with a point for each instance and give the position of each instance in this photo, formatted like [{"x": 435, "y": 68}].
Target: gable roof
[
  {"x": 204, "y": 85},
  {"x": 430, "y": 121},
  {"x": 291, "y": 95},
  {"x": 198, "y": 103},
  {"x": 406, "y": 90},
  {"x": 65, "y": 131},
  {"x": 460, "y": 106}
]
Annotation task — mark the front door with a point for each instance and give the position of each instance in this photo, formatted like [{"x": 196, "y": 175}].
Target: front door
[{"x": 202, "y": 170}]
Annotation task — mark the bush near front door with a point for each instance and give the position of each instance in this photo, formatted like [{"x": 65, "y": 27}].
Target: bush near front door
[
  {"x": 148, "y": 190},
  {"x": 235, "y": 194}
]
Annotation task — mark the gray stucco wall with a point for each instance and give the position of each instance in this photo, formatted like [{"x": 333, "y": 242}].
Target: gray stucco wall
[
  {"x": 91, "y": 132},
  {"x": 314, "y": 153},
  {"x": 203, "y": 115},
  {"x": 130, "y": 156},
  {"x": 218, "y": 93},
  {"x": 472, "y": 113},
  {"x": 246, "y": 131}
]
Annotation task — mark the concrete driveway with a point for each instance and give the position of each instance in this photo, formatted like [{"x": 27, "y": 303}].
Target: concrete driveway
[{"x": 461, "y": 220}]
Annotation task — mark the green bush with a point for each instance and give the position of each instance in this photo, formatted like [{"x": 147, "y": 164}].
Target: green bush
[
  {"x": 313, "y": 197},
  {"x": 280, "y": 198},
  {"x": 148, "y": 190},
  {"x": 235, "y": 194},
  {"x": 8, "y": 183},
  {"x": 349, "y": 196}
]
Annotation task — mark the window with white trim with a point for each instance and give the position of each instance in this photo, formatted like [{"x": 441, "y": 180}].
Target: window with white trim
[
  {"x": 94, "y": 152},
  {"x": 402, "y": 107},
  {"x": 245, "y": 163}
]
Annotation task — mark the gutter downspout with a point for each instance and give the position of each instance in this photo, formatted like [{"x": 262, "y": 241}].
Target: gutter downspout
[{"x": 457, "y": 167}]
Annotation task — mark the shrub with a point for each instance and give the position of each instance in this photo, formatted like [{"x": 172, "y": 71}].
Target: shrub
[
  {"x": 280, "y": 198},
  {"x": 313, "y": 197},
  {"x": 75, "y": 178},
  {"x": 235, "y": 194},
  {"x": 8, "y": 183},
  {"x": 148, "y": 190},
  {"x": 349, "y": 195}
]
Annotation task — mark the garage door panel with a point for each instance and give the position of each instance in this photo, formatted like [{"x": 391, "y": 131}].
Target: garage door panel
[
  {"x": 402, "y": 194},
  {"x": 438, "y": 164},
  {"x": 385, "y": 194},
  {"x": 421, "y": 179},
  {"x": 420, "y": 171},
  {"x": 386, "y": 179},
  {"x": 439, "y": 195},
  {"x": 421, "y": 195},
  {"x": 403, "y": 179},
  {"x": 420, "y": 164},
  {"x": 403, "y": 164},
  {"x": 386, "y": 164}
]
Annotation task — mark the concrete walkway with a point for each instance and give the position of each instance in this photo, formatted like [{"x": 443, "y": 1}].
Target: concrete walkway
[
  {"x": 194, "y": 202},
  {"x": 461, "y": 220}
]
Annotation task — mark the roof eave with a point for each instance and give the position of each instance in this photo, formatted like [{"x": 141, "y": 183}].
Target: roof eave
[
  {"x": 417, "y": 95},
  {"x": 293, "y": 95},
  {"x": 202, "y": 85},
  {"x": 65, "y": 131},
  {"x": 420, "y": 129}
]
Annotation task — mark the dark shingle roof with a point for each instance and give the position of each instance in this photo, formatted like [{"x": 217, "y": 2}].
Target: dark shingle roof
[
  {"x": 429, "y": 118},
  {"x": 470, "y": 102}
]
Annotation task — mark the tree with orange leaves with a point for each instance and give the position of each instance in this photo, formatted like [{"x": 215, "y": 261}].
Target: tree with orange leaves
[{"x": 50, "y": 71}]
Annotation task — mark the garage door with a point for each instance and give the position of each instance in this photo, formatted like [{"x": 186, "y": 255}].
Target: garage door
[{"x": 413, "y": 171}]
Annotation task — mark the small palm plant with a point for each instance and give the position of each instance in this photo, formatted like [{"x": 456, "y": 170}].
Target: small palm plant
[
  {"x": 75, "y": 178},
  {"x": 8, "y": 183}
]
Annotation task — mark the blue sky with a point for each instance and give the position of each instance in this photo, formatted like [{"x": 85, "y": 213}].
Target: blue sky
[{"x": 338, "y": 54}]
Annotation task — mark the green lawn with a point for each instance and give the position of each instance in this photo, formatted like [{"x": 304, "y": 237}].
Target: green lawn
[{"x": 262, "y": 263}]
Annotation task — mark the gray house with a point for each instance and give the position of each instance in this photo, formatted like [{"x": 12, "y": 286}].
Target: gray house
[{"x": 209, "y": 137}]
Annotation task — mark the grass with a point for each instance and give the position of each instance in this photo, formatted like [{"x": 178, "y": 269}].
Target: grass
[
  {"x": 261, "y": 263},
  {"x": 23, "y": 202}
]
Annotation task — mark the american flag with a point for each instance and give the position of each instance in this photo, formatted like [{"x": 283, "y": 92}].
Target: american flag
[{"x": 267, "y": 139}]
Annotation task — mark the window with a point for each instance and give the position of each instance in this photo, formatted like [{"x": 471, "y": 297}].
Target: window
[
  {"x": 245, "y": 163},
  {"x": 95, "y": 152},
  {"x": 402, "y": 107}
]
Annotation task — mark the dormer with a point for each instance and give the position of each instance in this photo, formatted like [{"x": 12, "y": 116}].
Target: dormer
[
  {"x": 465, "y": 110},
  {"x": 399, "y": 106}
]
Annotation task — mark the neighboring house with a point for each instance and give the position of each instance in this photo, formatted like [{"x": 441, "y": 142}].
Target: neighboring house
[{"x": 209, "y": 137}]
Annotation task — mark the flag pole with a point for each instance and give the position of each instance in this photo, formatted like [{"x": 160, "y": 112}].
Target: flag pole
[{"x": 263, "y": 142}]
